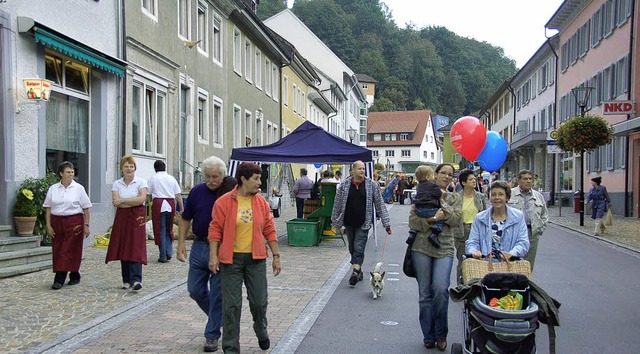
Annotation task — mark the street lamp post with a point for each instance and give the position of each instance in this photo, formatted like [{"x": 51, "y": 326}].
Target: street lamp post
[
  {"x": 581, "y": 94},
  {"x": 352, "y": 134}
]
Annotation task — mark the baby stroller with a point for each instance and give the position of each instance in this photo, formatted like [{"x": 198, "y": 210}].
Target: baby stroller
[{"x": 490, "y": 329}]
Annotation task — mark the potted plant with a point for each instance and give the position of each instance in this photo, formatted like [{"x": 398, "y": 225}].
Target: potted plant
[
  {"x": 38, "y": 188},
  {"x": 25, "y": 212}
]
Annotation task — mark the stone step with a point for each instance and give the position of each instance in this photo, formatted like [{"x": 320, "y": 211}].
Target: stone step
[
  {"x": 25, "y": 256},
  {"x": 15, "y": 243},
  {"x": 5, "y": 231},
  {"x": 6, "y": 272}
]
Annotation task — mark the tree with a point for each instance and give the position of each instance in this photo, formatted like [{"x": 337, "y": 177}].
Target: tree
[
  {"x": 382, "y": 105},
  {"x": 439, "y": 70},
  {"x": 418, "y": 105},
  {"x": 372, "y": 62},
  {"x": 269, "y": 8},
  {"x": 331, "y": 24}
]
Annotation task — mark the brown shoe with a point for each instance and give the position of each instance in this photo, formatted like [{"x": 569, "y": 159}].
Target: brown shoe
[{"x": 441, "y": 344}]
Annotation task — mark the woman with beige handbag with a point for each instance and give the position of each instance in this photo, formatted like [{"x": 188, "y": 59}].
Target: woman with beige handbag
[
  {"x": 500, "y": 229},
  {"x": 600, "y": 197}
]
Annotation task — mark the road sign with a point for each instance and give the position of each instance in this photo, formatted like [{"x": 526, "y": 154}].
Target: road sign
[
  {"x": 552, "y": 135},
  {"x": 553, "y": 148}
]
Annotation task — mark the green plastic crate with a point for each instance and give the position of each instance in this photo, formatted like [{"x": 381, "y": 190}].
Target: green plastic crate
[{"x": 303, "y": 232}]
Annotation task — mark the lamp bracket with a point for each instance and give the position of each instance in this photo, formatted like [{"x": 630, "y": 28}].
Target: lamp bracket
[{"x": 30, "y": 105}]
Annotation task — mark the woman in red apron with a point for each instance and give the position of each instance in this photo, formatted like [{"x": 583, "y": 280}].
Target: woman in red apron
[
  {"x": 67, "y": 213},
  {"x": 128, "y": 241}
]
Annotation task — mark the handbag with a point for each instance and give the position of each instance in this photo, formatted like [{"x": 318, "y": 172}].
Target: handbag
[
  {"x": 407, "y": 264},
  {"x": 476, "y": 268},
  {"x": 608, "y": 220}
]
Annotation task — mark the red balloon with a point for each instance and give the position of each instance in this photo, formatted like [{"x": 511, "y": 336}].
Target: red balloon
[{"x": 468, "y": 137}]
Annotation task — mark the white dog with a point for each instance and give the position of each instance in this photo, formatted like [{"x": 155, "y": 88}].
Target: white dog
[{"x": 377, "y": 280}]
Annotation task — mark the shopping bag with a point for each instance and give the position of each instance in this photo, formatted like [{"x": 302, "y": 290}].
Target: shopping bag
[{"x": 608, "y": 220}]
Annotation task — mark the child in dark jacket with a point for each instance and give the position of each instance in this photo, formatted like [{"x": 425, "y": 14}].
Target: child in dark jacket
[{"x": 428, "y": 200}]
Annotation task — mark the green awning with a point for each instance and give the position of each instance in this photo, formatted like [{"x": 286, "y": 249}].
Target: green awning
[{"x": 76, "y": 51}]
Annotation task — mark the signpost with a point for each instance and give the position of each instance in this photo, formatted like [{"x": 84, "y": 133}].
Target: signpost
[{"x": 552, "y": 147}]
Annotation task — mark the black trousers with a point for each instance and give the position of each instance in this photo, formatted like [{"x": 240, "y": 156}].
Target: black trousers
[{"x": 300, "y": 207}]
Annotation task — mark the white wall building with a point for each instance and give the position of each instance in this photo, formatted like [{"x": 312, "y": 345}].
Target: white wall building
[
  {"x": 341, "y": 86},
  {"x": 77, "y": 47},
  {"x": 402, "y": 141}
]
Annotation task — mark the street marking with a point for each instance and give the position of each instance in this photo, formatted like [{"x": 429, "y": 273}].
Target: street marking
[{"x": 389, "y": 323}]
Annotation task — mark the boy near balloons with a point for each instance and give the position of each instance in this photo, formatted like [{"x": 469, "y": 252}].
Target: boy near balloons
[{"x": 428, "y": 200}]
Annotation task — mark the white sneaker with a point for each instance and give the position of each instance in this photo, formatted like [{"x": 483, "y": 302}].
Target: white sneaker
[
  {"x": 125, "y": 285},
  {"x": 136, "y": 286}
]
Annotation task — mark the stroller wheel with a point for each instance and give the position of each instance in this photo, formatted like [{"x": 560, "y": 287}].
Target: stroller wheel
[{"x": 456, "y": 348}]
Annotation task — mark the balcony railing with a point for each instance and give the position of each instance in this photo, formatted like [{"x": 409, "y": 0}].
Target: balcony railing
[{"x": 528, "y": 137}]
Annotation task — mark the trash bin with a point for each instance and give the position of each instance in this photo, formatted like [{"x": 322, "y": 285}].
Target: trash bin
[
  {"x": 576, "y": 202},
  {"x": 303, "y": 232}
]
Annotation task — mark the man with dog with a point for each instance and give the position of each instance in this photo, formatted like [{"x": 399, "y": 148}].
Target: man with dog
[
  {"x": 353, "y": 208},
  {"x": 202, "y": 284}
]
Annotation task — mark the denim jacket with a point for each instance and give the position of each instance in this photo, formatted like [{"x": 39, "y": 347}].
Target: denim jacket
[{"x": 514, "y": 239}]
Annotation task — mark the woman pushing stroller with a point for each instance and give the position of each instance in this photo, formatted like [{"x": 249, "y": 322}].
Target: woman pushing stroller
[{"x": 500, "y": 230}]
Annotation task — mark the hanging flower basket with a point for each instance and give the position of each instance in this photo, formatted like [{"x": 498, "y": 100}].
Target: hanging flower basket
[{"x": 579, "y": 134}]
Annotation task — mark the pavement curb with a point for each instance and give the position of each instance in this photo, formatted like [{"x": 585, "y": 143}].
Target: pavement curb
[
  {"x": 603, "y": 239},
  {"x": 81, "y": 335},
  {"x": 291, "y": 340}
]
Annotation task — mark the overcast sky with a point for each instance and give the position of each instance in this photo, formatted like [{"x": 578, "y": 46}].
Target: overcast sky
[{"x": 515, "y": 25}]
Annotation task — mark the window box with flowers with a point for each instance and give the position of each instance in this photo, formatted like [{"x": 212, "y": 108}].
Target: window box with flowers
[{"x": 579, "y": 134}]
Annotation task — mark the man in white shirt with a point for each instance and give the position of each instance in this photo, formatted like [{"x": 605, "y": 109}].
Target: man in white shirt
[{"x": 164, "y": 190}]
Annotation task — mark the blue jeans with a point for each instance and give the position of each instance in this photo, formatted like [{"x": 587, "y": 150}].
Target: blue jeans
[
  {"x": 433, "y": 276},
  {"x": 437, "y": 226},
  {"x": 131, "y": 272},
  {"x": 204, "y": 288},
  {"x": 166, "y": 245},
  {"x": 357, "y": 238}
]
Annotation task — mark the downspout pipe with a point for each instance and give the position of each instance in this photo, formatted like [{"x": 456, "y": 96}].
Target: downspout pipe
[
  {"x": 555, "y": 101},
  {"x": 123, "y": 81},
  {"x": 627, "y": 211},
  {"x": 513, "y": 96}
]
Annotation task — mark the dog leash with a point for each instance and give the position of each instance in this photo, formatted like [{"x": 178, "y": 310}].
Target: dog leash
[{"x": 384, "y": 246}]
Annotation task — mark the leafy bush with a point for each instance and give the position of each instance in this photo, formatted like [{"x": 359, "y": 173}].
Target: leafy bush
[
  {"x": 39, "y": 188},
  {"x": 25, "y": 205}
]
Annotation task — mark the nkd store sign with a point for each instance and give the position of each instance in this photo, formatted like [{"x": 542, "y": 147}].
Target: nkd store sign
[{"x": 617, "y": 107}]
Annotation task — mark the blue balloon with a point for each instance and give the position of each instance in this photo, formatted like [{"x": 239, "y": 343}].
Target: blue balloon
[
  {"x": 494, "y": 153},
  {"x": 317, "y": 165}
]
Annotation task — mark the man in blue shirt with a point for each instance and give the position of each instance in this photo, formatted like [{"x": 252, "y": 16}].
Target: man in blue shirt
[{"x": 203, "y": 285}]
